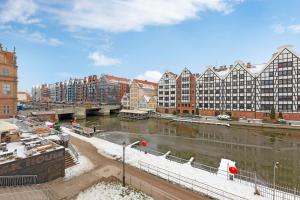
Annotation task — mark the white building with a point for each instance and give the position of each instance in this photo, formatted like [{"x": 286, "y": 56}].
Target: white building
[{"x": 167, "y": 93}]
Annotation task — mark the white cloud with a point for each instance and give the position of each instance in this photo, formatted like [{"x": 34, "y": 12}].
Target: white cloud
[
  {"x": 295, "y": 28},
  {"x": 40, "y": 38},
  {"x": 20, "y": 11},
  {"x": 150, "y": 76},
  {"x": 100, "y": 59},
  {"x": 132, "y": 15},
  {"x": 279, "y": 28}
]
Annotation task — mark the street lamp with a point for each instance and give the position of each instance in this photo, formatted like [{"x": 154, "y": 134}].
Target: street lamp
[
  {"x": 276, "y": 165},
  {"x": 124, "y": 143}
]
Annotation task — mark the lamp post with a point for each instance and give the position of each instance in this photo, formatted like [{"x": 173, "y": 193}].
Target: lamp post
[
  {"x": 276, "y": 164},
  {"x": 124, "y": 163}
]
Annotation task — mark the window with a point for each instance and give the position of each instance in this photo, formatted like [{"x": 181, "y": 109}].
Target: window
[
  {"x": 241, "y": 76},
  {"x": 6, "y": 109},
  {"x": 234, "y": 77},
  {"x": 248, "y": 106},
  {"x": 5, "y": 72},
  {"x": 6, "y": 89},
  {"x": 242, "y": 106},
  {"x": 285, "y": 64}
]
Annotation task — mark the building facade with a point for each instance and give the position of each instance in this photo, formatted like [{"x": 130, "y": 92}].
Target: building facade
[
  {"x": 8, "y": 83},
  {"x": 167, "y": 93},
  {"x": 125, "y": 101},
  {"x": 186, "y": 92},
  {"x": 138, "y": 89},
  {"x": 252, "y": 91},
  {"x": 112, "y": 89}
]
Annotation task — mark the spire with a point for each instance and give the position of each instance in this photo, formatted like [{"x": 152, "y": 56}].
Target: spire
[{"x": 1, "y": 46}]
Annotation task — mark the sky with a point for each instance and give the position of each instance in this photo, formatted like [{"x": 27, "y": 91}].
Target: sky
[{"x": 61, "y": 39}]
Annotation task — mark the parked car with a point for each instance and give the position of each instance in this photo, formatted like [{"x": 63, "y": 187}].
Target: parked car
[{"x": 223, "y": 117}]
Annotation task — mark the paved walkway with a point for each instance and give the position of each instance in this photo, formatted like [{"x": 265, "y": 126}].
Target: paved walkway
[{"x": 105, "y": 167}]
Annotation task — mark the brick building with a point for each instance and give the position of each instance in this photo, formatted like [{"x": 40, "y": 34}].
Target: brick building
[
  {"x": 186, "y": 92},
  {"x": 8, "y": 83},
  {"x": 112, "y": 89}
]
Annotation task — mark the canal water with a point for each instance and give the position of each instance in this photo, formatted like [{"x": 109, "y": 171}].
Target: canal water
[{"x": 253, "y": 149}]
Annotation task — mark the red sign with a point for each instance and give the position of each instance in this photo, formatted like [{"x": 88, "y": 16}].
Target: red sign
[
  {"x": 144, "y": 143},
  {"x": 233, "y": 170}
]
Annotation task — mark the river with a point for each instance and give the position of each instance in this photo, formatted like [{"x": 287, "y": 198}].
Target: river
[{"x": 253, "y": 149}]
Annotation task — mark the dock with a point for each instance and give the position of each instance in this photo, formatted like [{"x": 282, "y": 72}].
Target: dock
[{"x": 134, "y": 114}]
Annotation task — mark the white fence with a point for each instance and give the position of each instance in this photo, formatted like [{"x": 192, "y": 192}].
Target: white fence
[{"x": 194, "y": 185}]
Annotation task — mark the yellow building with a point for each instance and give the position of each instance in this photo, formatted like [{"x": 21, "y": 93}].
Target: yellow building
[{"x": 138, "y": 89}]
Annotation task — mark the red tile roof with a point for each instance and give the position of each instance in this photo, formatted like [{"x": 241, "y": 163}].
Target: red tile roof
[
  {"x": 114, "y": 78},
  {"x": 145, "y": 82}
]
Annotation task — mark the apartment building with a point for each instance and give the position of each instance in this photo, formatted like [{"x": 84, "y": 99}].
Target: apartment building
[
  {"x": 52, "y": 92},
  {"x": 186, "y": 92},
  {"x": 92, "y": 89},
  {"x": 246, "y": 90},
  {"x": 112, "y": 89},
  {"x": 23, "y": 97},
  {"x": 139, "y": 88},
  {"x": 79, "y": 90},
  {"x": 167, "y": 93},
  {"x": 279, "y": 83},
  {"x": 8, "y": 83}
]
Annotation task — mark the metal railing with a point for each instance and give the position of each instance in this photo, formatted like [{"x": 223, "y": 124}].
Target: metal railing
[
  {"x": 279, "y": 192},
  {"x": 73, "y": 150},
  {"x": 18, "y": 180},
  {"x": 245, "y": 177},
  {"x": 191, "y": 184}
]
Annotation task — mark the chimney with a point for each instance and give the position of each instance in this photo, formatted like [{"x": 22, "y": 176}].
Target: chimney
[{"x": 248, "y": 65}]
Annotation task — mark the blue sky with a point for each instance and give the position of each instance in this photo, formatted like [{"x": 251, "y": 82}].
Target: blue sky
[{"x": 57, "y": 40}]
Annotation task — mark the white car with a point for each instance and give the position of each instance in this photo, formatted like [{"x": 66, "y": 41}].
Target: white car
[{"x": 223, "y": 117}]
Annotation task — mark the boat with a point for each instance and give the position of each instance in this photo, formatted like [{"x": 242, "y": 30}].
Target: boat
[{"x": 85, "y": 131}]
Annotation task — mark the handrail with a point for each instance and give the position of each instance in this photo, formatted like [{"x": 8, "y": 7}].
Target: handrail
[{"x": 190, "y": 183}]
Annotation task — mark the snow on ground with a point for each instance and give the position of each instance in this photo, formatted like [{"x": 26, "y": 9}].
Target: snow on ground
[
  {"x": 111, "y": 191},
  {"x": 84, "y": 165},
  {"x": 134, "y": 157}
]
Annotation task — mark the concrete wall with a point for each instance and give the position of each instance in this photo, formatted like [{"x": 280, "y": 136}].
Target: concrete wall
[{"x": 47, "y": 166}]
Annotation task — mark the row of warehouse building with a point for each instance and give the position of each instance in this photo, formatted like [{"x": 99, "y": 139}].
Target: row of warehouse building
[
  {"x": 241, "y": 89},
  {"x": 104, "y": 89}
]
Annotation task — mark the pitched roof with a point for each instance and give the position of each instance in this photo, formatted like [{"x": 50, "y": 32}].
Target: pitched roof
[
  {"x": 145, "y": 84},
  {"x": 117, "y": 79}
]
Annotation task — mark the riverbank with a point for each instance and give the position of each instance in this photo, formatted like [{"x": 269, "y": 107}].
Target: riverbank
[{"x": 214, "y": 121}]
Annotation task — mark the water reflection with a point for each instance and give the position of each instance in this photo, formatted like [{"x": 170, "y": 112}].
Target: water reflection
[{"x": 253, "y": 149}]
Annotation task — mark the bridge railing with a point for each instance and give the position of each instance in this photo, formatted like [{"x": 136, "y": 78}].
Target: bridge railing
[{"x": 18, "y": 180}]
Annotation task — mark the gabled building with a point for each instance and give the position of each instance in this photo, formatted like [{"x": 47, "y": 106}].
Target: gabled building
[
  {"x": 112, "y": 89},
  {"x": 186, "y": 92},
  {"x": 278, "y": 85},
  {"x": 209, "y": 92},
  {"x": 166, "y": 102},
  {"x": 139, "y": 88},
  {"x": 125, "y": 101}
]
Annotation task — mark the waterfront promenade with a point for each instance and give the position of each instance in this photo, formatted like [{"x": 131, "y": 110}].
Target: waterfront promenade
[{"x": 105, "y": 167}]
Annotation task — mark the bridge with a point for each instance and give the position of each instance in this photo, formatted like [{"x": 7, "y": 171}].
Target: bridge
[{"x": 80, "y": 111}]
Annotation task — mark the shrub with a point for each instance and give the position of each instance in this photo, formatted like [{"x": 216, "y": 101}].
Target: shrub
[{"x": 272, "y": 114}]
